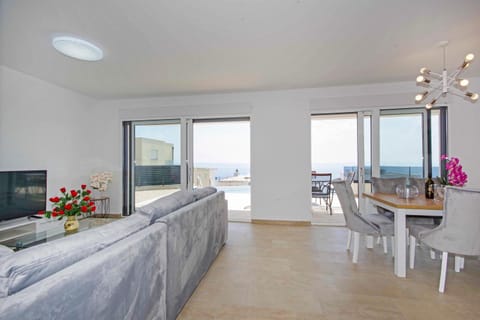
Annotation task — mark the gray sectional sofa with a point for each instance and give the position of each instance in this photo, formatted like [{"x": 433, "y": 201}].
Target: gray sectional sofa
[{"x": 144, "y": 266}]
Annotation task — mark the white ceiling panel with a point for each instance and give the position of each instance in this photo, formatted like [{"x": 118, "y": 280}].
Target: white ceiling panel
[{"x": 160, "y": 47}]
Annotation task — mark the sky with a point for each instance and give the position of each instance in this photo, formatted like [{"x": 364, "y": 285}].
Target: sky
[
  {"x": 214, "y": 142},
  {"x": 221, "y": 142},
  {"x": 334, "y": 140}
]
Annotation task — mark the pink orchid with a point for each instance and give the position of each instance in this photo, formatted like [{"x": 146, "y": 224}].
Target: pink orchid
[{"x": 455, "y": 174}]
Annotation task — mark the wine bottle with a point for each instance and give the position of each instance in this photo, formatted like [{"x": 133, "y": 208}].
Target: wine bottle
[{"x": 429, "y": 189}]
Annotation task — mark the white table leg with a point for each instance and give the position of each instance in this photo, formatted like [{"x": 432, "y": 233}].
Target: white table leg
[{"x": 400, "y": 244}]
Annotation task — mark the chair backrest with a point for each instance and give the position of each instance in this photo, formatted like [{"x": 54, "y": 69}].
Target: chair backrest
[
  {"x": 419, "y": 183},
  {"x": 346, "y": 198},
  {"x": 321, "y": 184},
  {"x": 350, "y": 176},
  {"x": 387, "y": 185},
  {"x": 459, "y": 231},
  {"x": 354, "y": 221}
]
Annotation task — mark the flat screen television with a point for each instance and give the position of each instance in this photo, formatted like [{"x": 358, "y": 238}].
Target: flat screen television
[{"x": 22, "y": 193}]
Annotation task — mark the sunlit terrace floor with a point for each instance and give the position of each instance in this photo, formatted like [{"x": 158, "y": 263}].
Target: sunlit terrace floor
[
  {"x": 239, "y": 206},
  {"x": 321, "y": 216},
  {"x": 238, "y": 203}
]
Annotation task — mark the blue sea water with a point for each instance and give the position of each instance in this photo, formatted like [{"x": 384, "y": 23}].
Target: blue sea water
[{"x": 226, "y": 170}]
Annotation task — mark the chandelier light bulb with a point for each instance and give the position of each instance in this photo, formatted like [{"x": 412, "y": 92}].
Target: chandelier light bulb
[
  {"x": 430, "y": 105},
  {"x": 469, "y": 57},
  {"x": 424, "y": 70},
  {"x": 420, "y": 96},
  {"x": 472, "y": 96},
  {"x": 422, "y": 79},
  {"x": 463, "y": 82}
]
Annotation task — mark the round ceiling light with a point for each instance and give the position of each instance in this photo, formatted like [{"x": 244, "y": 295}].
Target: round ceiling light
[{"x": 77, "y": 48}]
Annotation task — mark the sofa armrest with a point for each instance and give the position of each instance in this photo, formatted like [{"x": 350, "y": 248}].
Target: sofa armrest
[{"x": 196, "y": 234}]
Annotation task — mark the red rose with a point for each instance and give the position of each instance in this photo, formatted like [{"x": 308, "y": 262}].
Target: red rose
[
  {"x": 54, "y": 199},
  {"x": 63, "y": 190},
  {"x": 68, "y": 206},
  {"x": 89, "y": 191},
  {"x": 61, "y": 212},
  {"x": 74, "y": 193},
  {"x": 75, "y": 202},
  {"x": 54, "y": 214},
  {"x": 91, "y": 203},
  {"x": 84, "y": 209},
  {"x": 86, "y": 198},
  {"x": 84, "y": 186},
  {"x": 41, "y": 212},
  {"x": 92, "y": 209}
]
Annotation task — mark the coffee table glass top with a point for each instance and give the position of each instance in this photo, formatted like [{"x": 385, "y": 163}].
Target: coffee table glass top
[{"x": 57, "y": 232}]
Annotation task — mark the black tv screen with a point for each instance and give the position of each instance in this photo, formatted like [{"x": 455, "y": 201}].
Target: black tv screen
[{"x": 22, "y": 193}]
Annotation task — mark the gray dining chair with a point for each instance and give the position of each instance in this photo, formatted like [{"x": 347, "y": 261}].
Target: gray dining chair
[
  {"x": 458, "y": 233},
  {"x": 369, "y": 224}
]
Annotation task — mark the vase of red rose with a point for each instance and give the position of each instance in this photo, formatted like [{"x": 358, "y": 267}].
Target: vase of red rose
[{"x": 71, "y": 204}]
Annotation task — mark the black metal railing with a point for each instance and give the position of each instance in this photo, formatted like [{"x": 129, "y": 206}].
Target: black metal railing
[{"x": 157, "y": 175}]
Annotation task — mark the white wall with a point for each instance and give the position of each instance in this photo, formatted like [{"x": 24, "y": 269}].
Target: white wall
[
  {"x": 43, "y": 126},
  {"x": 280, "y": 144},
  {"x": 280, "y": 177},
  {"x": 464, "y": 134},
  {"x": 34, "y": 115}
]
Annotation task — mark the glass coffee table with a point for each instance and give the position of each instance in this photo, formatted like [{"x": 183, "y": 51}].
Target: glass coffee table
[{"x": 32, "y": 239}]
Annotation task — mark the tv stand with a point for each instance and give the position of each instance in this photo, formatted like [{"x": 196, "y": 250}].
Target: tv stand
[{"x": 15, "y": 228}]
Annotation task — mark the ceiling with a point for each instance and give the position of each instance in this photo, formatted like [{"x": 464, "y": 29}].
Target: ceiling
[{"x": 178, "y": 47}]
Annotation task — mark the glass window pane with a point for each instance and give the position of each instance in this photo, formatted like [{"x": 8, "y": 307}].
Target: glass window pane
[
  {"x": 334, "y": 144},
  {"x": 157, "y": 161},
  {"x": 401, "y": 145}
]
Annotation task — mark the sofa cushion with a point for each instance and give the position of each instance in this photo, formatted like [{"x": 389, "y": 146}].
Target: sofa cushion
[
  {"x": 5, "y": 251},
  {"x": 28, "y": 266},
  {"x": 166, "y": 205},
  {"x": 203, "y": 192}
]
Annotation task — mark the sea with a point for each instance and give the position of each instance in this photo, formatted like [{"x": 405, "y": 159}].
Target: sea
[{"x": 226, "y": 170}]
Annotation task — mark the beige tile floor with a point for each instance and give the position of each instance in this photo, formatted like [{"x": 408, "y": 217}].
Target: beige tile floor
[{"x": 281, "y": 272}]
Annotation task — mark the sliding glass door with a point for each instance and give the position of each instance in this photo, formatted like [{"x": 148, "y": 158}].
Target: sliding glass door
[
  {"x": 221, "y": 158},
  {"x": 334, "y": 152},
  {"x": 153, "y": 166},
  {"x": 164, "y": 156},
  {"x": 380, "y": 143}
]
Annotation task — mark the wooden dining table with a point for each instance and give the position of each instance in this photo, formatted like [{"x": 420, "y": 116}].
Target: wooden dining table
[{"x": 419, "y": 206}]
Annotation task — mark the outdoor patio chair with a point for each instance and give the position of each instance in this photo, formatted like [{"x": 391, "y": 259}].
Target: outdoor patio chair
[{"x": 322, "y": 189}]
